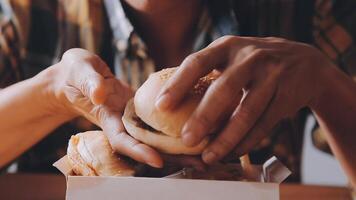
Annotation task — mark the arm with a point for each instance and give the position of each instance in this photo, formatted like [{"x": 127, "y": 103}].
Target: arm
[
  {"x": 80, "y": 84},
  {"x": 336, "y": 113},
  {"x": 26, "y": 116},
  {"x": 336, "y": 108},
  {"x": 278, "y": 77}
]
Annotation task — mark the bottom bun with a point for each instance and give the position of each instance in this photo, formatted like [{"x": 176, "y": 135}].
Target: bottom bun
[
  {"x": 90, "y": 154},
  {"x": 156, "y": 139}
]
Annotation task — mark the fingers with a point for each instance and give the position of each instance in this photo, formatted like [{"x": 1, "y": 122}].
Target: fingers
[
  {"x": 262, "y": 128},
  {"x": 87, "y": 72},
  {"x": 246, "y": 114},
  {"x": 89, "y": 82},
  {"x": 101, "y": 86},
  {"x": 192, "y": 68},
  {"x": 118, "y": 94},
  {"x": 216, "y": 103},
  {"x": 97, "y": 90},
  {"x": 126, "y": 145},
  {"x": 97, "y": 95},
  {"x": 218, "y": 100},
  {"x": 96, "y": 87},
  {"x": 110, "y": 121},
  {"x": 184, "y": 161}
]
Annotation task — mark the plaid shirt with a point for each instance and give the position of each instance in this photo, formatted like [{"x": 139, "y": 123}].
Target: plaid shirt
[{"x": 34, "y": 34}]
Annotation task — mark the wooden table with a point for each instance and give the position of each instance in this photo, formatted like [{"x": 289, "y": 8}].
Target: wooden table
[{"x": 52, "y": 187}]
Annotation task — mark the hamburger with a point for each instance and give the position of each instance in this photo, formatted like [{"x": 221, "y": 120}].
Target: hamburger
[
  {"x": 162, "y": 129},
  {"x": 90, "y": 154}
]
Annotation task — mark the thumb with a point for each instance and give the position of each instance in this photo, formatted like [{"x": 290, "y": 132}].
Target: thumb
[
  {"x": 97, "y": 90},
  {"x": 92, "y": 85}
]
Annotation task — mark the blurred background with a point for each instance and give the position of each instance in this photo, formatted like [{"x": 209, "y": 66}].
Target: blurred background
[{"x": 37, "y": 32}]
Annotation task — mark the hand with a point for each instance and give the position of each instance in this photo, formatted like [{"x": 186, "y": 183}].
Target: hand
[
  {"x": 83, "y": 85},
  {"x": 182, "y": 161},
  {"x": 278, "y": 78}
]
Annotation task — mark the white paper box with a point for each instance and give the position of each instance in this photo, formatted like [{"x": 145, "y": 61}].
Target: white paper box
[{"x": 136, "y": 188}]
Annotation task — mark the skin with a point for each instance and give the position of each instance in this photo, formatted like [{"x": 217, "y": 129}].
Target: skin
[
  {"x": 278, "y": 77},
  {"x": 79, "y": 85},
  {"x": 82, "y": 85},
  {"x": 170, "y": 45}
]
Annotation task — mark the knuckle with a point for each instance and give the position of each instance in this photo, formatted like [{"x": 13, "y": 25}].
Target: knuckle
[
  {"x": 116, "y": 141},
  {"x": 227, "y": 44},
  {"x": 80, "y": 58},
  {"x": 205, "y": 121},
  {"x": 194, "y": 61},
  {"x": 227, "y": 39},
  {"x": 239, "y": 55},
  {"x": 259, "y": 53},
  {"x": 120, "y": 140},
  {"x": 84, "y": 86},
  {"x": 271, "y": 38},
  {"x": 250, "y": 48},
  {"x": 266, "y": 56},
  {"x": 69, "y": 53},
  {"x": 246, "y": 112},
  {"x": 73, "y": 53},
  {"x": 72, "y": 94},
  {"x": 120, "y": 137},
  {"x": 225, "y": 145},
  {"x": 99, "y": 113},
  {"x": 276, "y": 39},
  {"x": 244, "y": 116}
]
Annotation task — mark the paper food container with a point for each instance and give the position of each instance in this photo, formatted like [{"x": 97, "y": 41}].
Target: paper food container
[{"x": 176, "y": 186}]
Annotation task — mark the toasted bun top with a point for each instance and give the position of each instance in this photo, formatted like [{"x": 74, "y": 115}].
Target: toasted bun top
[
  {"x": 168, "y": 122},
  {"x": 90, "y": 154}
]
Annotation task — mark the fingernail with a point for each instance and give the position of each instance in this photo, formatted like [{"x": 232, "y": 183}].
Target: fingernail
[
  {"x": 154, "y": 164},
  {"x": 188, "y": 139},
  {"x": 209, "y": 157},
  {"x": 163, "y": 102}
]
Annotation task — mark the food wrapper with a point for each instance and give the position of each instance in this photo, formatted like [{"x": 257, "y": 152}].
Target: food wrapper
[
  {"x": 272, "y": 171},
  {"x": 219, "y": 181}
]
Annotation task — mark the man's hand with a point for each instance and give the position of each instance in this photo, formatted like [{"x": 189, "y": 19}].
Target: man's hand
[
  {"x": 278, "y": 78},
  {"x": 83, "y": 85}
]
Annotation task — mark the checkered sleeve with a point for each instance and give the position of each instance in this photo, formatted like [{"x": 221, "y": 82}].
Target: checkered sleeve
[
  {"x": 10, "y": 71},
  {"x": 334, "y": 31}
]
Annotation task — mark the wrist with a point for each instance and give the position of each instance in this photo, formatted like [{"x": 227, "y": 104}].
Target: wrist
[
  {"x": 48, "y": 93},
  {"x": 327, "y": 84}
]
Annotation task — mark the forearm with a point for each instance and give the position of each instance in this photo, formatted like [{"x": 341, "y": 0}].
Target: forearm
[
  {"x": 27, "y": 116},
  {"x": 336, "y": 114}
]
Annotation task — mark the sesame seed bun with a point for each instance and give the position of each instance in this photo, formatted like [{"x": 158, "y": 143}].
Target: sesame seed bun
[{"x": 162, "y": 129}]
